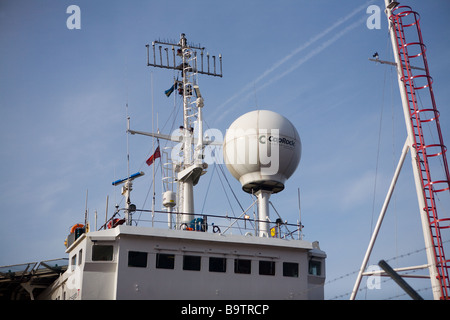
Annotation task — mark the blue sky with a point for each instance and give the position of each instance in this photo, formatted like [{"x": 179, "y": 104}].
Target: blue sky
[{"x": 63, "y": 95}]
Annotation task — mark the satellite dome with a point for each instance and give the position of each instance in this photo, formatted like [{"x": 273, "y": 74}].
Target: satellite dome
[{"x": 262, "y": 150}]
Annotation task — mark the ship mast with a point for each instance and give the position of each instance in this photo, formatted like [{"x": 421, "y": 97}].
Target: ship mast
[
  {"x": 192, "y": 167},
  {"x": 406, "y": 36}
]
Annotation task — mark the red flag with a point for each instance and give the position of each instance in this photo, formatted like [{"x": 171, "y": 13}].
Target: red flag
[{"x": 152, "y": 158}]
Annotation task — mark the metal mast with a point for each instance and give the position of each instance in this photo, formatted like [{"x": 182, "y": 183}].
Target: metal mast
[
  {"x": 422, "y": 124},
  {"x": 403, "y": 23},
  {"x": 192, "y": 167}
]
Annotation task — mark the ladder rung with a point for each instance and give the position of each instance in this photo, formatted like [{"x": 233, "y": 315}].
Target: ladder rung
[{"x": 420, "y": 146}]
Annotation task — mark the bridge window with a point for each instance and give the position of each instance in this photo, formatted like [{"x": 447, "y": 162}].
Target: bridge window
[
  {"x": 80, "y": 256},
  {"x": 290, "y": 269},
  {"x": 315, "y": 267},
  {"x": 191, "y": 263},
  {"x": 217, "y": 264},
  {"x": 137, "y": 259},
  {"x": 267, "y": 268},
  {"x": 73, "y": 262},
  {"x": 242, "y": 266},
  {"x": 102, "y": 253},
  {"x": 165, "y": 261}
]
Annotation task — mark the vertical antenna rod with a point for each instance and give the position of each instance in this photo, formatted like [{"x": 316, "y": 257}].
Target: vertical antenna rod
[
  {"x": 86, "y": 213},
  {"x": 192, "y": 165},
  {"x": 300, "y": 226}
]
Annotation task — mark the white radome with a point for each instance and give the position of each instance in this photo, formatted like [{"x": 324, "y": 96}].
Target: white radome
[{"x": 262, "y": 149}]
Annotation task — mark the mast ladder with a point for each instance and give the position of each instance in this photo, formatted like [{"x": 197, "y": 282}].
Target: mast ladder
[{"x": 405, "y": 24}]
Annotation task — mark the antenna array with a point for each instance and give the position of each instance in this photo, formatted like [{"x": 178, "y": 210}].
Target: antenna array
[{"x": 163, "y": 59}]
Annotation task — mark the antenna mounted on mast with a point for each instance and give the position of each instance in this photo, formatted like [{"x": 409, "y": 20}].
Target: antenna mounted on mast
[
  {"x": 170, "y": 63},
  {"x": 192, "y": 63}
]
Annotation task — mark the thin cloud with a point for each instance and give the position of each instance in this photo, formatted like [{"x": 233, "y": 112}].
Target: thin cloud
[
  {"x": 243, "y": 93},
  {"x": 312, "y": 54}
]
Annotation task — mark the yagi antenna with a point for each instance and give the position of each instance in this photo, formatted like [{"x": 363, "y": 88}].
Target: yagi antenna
[{"x": 163, "y": 59}]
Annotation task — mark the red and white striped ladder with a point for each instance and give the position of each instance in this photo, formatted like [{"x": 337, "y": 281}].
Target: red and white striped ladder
[{"x": 405, "y": 24}]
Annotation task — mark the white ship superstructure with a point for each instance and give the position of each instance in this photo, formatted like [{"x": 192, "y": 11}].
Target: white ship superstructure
[
  {"x": 197, "y": 256},
  {"x": 130, "y": 262},
  {"x": 255, "y": 254}
]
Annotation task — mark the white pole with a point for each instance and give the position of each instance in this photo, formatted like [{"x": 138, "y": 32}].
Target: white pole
[
  {"x": 435, "y": 284},
  {"x": 153, "y": 150},
  {"x": 169, "y": 217},
  {"x": 188, "y": 186},
  {"x": 126, "y": 190},
  {"x": 263, "y": 212},
  {"x": 188, "y": 201},
  {"x": 300, "y": 228},
  {"x": 380, "y": 220},
  {"x": 106, "y": 210}
]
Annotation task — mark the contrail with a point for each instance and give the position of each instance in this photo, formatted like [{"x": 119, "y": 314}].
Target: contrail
[
  {"x": 311, "y": 54},
  {"x": 304, "y": 46},
  {"x": 312, "y": 40}
]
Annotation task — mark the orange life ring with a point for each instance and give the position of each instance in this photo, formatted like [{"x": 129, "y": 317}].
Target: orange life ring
[{"x": 75, "y": 227}]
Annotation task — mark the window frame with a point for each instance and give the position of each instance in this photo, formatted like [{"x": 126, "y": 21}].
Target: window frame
[
  {"x": 268, "y": 269},
  {"x": 107, "y": 255},
  {"x": 220, "y": 264},
  {"x": 288, "y": 267},
  {"x": 165, "y": 263},
  {"x": 80, "y": 256},
  {"x": 241, "y": 267},
  {"x": 137, "y": 259},
  {"x": 192, "y": 263},
  {"x": 314, "y": 264}
]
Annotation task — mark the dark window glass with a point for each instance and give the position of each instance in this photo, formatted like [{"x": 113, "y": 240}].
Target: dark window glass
[
  {"x": 242, "y": 266},
  {"x": 165, "y": 261},
  {"x": 102, "y": 253},
  {"x": 315, "y": 267},
  {"x": 217, "y": 264},
  {"x": 290, "y": 269},
  {"x": 80, "y": 256},
  {"x": 267, "y": 268},
  {"x": 137, "y": 259},
  {"x": 191, "y": 263}
]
